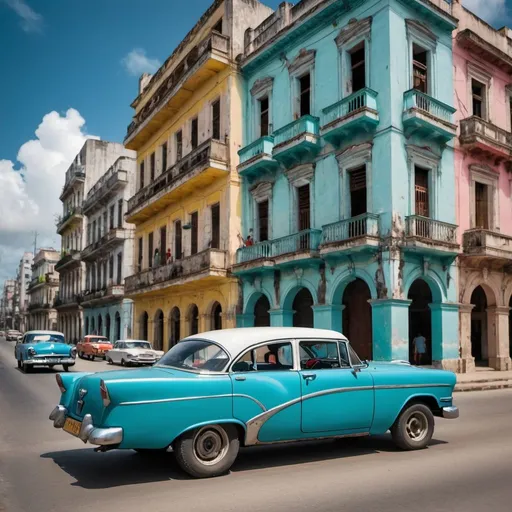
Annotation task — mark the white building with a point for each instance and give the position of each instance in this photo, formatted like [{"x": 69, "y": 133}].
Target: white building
[{"x": 24, "y": 278}]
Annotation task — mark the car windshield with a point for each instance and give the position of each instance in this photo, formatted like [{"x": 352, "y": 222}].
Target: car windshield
[
  {"x": 138, "y": 344},
  {"x": 98, "y": 340},
  {"x": 196, "y": 355},
  {"x": 44, "y": 338}
]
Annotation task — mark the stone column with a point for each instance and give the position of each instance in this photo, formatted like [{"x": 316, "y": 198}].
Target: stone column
[
  {"x": 245, "y": 320},
  {"x": 328, "y": 317},
  {"x": 498, "y": 337},
  {"x": 445, "y": 336},
  {"x": 390, "y": 326},
  {"x": 467, "y": 361},
  {"x": 281, "y": 317}
]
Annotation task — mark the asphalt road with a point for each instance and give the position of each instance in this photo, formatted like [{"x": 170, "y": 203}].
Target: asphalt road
[{"x": 468, "y": 468}]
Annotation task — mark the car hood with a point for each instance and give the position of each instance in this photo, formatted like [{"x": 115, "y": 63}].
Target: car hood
[
  {"x": 139, "y": 351},
  {"x": 50, "y": 348}
]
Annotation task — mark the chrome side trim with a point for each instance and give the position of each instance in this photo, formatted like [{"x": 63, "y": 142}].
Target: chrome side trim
[
  {"x": 450, "y": 413},
  {"x": 410, "y": 386},
  {"x": 320, "y": 438}
]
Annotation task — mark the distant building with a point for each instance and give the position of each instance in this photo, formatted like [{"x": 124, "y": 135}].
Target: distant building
[
  {"x": 7, "y": 306},
  {"x": 43, "y": 290},
  {"x": 23, "y": 282}
]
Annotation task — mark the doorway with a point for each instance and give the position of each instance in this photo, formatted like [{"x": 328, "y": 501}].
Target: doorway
[
  {"x": 262, "y": 312},
  {"x": 479, "y": 346},
  {"x": 303, "y": 309},
  {"x": 158, "y": 339},
  {"x": 420, "y": 319}
]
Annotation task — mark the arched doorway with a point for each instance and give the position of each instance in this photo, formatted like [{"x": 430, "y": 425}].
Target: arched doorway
[
  {"x": 174, "y": 326},
  {"x": 158, "y": 338},
  {"x": 107, "y": 326},
  {"x": 357, "y": 318},
  {"x": 193, "y": 319},
  {"x": 216, "y": 317},
  {"x": 479, "y": 345},
  {"x": 302, "y": 307},
  {"x": 420, "y": 319},
  {"x": 100, "y": 325},
  {"x": 262, "y": 312},
  {"x": 143, "y": 326},
  {"x": 117, "y": 327}
]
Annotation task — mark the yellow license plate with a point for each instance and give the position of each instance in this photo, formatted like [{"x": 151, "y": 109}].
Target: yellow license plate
[{"x": 72, "y": 426}]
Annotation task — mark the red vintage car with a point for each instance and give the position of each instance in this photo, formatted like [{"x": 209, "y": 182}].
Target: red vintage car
[{"x": 93, "y": 346}]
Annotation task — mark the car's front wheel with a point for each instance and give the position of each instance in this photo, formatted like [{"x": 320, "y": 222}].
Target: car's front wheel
[
  {"x": 207, "y": 451},
  {"x": 19, "y": 363},
  {"x": 414, "y": 428},
  {"x": 27, "y": 368}
]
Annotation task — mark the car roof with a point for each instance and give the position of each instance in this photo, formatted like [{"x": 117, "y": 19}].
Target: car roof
[
  {"x": 45, "y": 332},
  {"x": 236, "y": 340},
  {"x": 137, "y": 341}
]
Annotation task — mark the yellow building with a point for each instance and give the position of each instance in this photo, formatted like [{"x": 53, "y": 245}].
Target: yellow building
[{"x": 187, "y": 130}]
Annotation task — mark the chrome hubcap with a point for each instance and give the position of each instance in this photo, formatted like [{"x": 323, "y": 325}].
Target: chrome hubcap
[
  {"x": 417, "y": 426},
  {"x": 210, "y": 445}
]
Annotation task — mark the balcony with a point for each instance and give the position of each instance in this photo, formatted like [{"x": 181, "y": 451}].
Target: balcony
[
  {"x": 428, "y": 116},
  {"x": 355, "y": 113},
  {"x": 208, "y": 58},
  {"x": 357, "y": 234},
  {"x": 72, "y": 219},
  {"x": 75, "y": 174},
  {"x": 280, "y": 252},
  {"x": 430, "y": 236},
  {"x": 209, "y": 266},
  {"x": 481, "y": 138},
  {"x": 113, "y": 238},
  {"x": 114, "y": 180},
  {"x": 256, "y": 158},
  {"x": 297, "y": 141},
  {"x": 482, "y": 244},
  {"x": 38, "y": 307},
  {"x": 110, "y": 293},
  {"x": 198, "y": 169},
  {"x": 71, "y": 302},
  {"x": 69, "y": 259}
]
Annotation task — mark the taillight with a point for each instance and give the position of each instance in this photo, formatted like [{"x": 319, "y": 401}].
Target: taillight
[
  {"x": 104, "y": 393},
  {"x": 60, "y": 383}
]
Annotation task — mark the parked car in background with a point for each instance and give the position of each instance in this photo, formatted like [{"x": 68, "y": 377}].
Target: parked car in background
[
  {"x": 44, "y": 348},
  {"x": 13, "y": 335},
  {"x": 133, "y": 353},
  {"x": 215, "y": 391},
  {"x": 93, "y": 346}
]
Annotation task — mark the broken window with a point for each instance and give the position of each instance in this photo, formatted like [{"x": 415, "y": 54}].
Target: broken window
[
  {"x": 420, "y": 68},
  {"x": 304, "y": 215},
  {"x": 421, "y": 191},
  {"x": 193, "y": 232},
  {"x": 179, "y": 145},
  {"x": 305, "y": 95},
  {"x": 164, "y": 156},
  {"x": 215, "y": 211},
  {"x": 177, "y": 240},
  {"x": 120, "y": 268},
  {"x": 163, "y": 244},
  {"x": 152, "y": 166},
  {"x": 481, "y": 206},
  {"x": 141, "y": 175},
  {"x": 120, "y": 213},
  {"x": 111, "y": 267},
  {"x": 194, "y": 133},
  {"x": 218, "y": 26},
  {"x": 358, "y": 197},
  {"x": 140, "y": 254},
  {"x": 264, "y": 116},
  {"x": 358, "y": 71},
  {"x": 150, "y": 250},
  {"x": 478, "y": 96},
  {"x": 112, "y": 213},
  {"x": 216, "y": 120},
  {"x": 263, "y": 220}
]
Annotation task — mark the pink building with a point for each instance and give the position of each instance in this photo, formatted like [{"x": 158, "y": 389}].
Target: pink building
[{"x": 482, "y": 60}]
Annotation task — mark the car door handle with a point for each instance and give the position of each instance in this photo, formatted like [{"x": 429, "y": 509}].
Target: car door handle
[
  {"x": 309, "y": 376},
  {"x": 240, "y": 377}
]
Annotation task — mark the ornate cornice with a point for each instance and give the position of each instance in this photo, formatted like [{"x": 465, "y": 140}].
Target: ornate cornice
[{"x": 354, "y": 30}]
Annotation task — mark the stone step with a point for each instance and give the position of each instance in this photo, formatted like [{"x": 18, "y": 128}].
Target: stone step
[{"x": 483, "y": 385}]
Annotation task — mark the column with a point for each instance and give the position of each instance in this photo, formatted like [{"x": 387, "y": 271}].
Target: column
[
  {"x": 281, "y": 317},
  {"x": 245, "y": 320},
  {"x": 467, "y": 361},
  {"x": 390, "y": 329},
  {"x": 498, "y": 338},
  {"x": 445, "y": 336},
  {"x": 328, "y": 317}
]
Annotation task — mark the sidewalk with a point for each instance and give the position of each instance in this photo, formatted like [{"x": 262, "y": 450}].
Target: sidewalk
[{"x": 483, "y": 379}]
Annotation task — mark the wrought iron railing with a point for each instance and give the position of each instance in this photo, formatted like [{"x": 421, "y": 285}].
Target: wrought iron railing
[
  {"x": 421, "y": 101},
  {"x": 365, "y": 98},
  {"x": 366, "y": 224},
  {"x": 423, "y": 227},
  {"x": 305, "y": 124}
]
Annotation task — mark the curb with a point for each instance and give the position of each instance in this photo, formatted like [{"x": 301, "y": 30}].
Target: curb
[{"x": 482, "y": 386}]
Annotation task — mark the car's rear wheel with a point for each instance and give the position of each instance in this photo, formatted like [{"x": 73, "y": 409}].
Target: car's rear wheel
[
  {"x": 207, "y": 451},
  {"x": 81, "y": 355},
  {"x": 109, "y": 361},
  {"x": 19, "y": 363},
  {"x": 27, "y": 368},
  {"x": 414, "y": 428},
  {"x": 123, "y": 362}
]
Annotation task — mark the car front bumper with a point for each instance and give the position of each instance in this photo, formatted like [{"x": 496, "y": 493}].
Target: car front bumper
[
  {"x": 450, "y": 413},
  {"x": 88, "y": 432},
  {"x": 43, "y": 361}
]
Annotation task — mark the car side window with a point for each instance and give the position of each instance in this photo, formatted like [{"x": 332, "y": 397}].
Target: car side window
[
  {"x": 322, "y": 355},
  {"x": 270, "y": 357}
]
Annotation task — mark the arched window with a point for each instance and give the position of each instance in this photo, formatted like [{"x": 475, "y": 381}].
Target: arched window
[
  {"x": 174, "y": 326},
  {"x": 193, "y": 319},
  {"x": 158, "y": 338},
  {"x": 216, "y": 317}
]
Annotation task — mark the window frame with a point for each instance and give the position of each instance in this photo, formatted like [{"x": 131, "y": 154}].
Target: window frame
[
  {"x": 297, "y": 177},
  {"x": 302, "y": 65},
  {"x": 262, "y": 88},
  {"x": 478, "y": 74},
  {"x": 254, "y": 347},
  {"x": 213, "y": 103},
  {"x": 324, "y": 340},
  {"x": 260, "y": 193},
  {"x": 480, "y": 174}
]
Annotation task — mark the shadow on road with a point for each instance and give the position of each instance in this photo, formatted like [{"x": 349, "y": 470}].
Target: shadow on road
[{"x": 125, "y": 467}]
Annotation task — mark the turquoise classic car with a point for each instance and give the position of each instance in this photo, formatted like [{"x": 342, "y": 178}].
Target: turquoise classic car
[
  {"x": 44, "y": 348},
  {"x": 216, "y": 391}
]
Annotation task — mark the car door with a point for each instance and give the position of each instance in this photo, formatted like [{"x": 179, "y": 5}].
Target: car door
[
  {"x": 116, "y": 352},
  {"x": 266, "y": 392},
  {"x": 335, "y": 396}
]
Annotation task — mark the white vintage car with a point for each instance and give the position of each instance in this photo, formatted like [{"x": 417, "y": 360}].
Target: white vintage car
[{"x": 133, "y": 353}]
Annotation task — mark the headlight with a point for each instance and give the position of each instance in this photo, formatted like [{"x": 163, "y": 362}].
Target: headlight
[
  {"x": 31, "y": 352},
  {"x": 72, "y": 352}
]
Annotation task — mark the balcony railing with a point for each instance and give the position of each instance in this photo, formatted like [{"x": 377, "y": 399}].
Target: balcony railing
[
  {"x": 365, "y": 98},
  {"x": 306, "y": 240},
  {"x": 262, "y": 146},
  {"x": 305, "y": 124},
  {"x": 111, "y": 238},
  {"x": 366, "y": 224},
  {"x": 75, "y": 211},
  {"x": 110, "y": 292},
  {"x": 429, "y": 229},
  {"x": 414, "y": 99},
  {"x": 75, "y": 173},
  {"x": 487, "y": 243},
  {"x": 208, "y": 150},
  {"x": 489, "y": 137},
  {"x": 67, "y": 257}
]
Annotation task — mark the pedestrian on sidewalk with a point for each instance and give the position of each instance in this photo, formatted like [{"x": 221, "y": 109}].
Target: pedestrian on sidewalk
[{"x": 420, "y": 347}]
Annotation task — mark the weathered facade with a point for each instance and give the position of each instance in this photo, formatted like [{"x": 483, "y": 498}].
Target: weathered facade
[
  {"x": 482, "y": 58},
  {"x": 186, "y": 130},
  {"x": 348, "y": 175},
  {"x": 7, "y": 304},
  {"x": 90, "y": 163},
  {"x": 108, "y": 254},
  {"x": 43, "y": 290},
  {"x": 24, "y": 278}
]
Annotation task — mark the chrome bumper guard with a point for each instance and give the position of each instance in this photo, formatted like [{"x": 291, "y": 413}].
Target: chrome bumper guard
[
  {"x": 88, "y": 432},
  {"x": 54, "y": 360},
  {"x": 450, "y": 413}
]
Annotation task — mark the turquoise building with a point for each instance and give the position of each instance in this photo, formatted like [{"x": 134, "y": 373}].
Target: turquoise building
[{"x": 348, "y": 175}]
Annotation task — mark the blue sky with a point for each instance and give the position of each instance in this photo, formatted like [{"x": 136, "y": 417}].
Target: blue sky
[{"x": 70, "y": 70}]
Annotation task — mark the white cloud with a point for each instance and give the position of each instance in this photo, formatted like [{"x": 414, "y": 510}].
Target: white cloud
[
  {"x": 31, "y": 21},
  {"x": 30, "y": 189},
  {"x": 137, "y": 62},
  {"x": 491, "y": 11}
]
